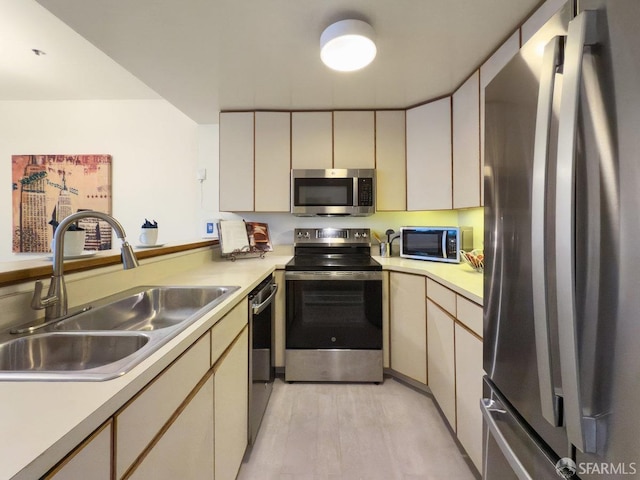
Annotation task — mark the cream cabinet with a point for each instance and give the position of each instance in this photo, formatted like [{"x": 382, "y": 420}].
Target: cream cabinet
[
  {"x": 143, "y": 418},
  {"x": 469, "y": 392},
  {"x": 311, "y": 140},
  {"x": 236, "y": 161},
  {"x": 429, "y": 185},
  {"x": 354, "y": 139},
  {"x": 488, "y": 71},
  {"x": 407, "y": 325},
  {"x": 185, "y": 450},
  {"x": 391, "y": 163},
  {"x": 272, "y": 161},
  {"x": 93, "y": 455},
  {"x": 466, "y": 144},
  {"x": 231, "y": 390},
  {"x": 441, "y": 360}
]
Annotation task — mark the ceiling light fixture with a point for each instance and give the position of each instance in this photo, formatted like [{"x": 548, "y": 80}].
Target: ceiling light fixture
[{"x": 347, "y": 45}]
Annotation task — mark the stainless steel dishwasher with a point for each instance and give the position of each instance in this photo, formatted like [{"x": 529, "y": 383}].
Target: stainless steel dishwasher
[{"x": 261, "y": 355}]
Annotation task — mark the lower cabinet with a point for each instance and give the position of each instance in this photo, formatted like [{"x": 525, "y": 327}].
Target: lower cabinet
[
  {"x": 441, "y": 360},
  {"x": 93, "y": 455},
  {"x": 469, "y": 392},
  {"x": 231, "y": 383},
  {"x": 408, "y": 326},
  {"x": 190, "y": 422},
  {"x": 185, "y": 450}
]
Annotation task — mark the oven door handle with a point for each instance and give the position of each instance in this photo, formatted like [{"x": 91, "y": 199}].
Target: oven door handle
[
  {"x": 334, "y": 275},
  {"x": 259, "y": 307}
]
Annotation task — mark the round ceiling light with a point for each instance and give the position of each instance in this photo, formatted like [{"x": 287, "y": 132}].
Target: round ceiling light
[{"x": 347, "y": 45}]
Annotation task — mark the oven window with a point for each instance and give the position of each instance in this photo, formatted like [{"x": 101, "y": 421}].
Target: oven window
[
  {"x": 323, "y": 192},
  {"x": 334, "y": 314}
]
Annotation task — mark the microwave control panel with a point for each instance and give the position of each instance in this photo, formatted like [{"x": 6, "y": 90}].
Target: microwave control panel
[{"x": 365, "y": 192}]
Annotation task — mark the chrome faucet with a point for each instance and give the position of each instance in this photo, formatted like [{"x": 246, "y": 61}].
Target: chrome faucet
[{"x": 55, "y": 303}]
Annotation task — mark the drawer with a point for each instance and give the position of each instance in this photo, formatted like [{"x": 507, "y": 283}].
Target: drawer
[
  {"x": 442, "y": 296},
  {"x": 228, "y": 328},
  {"x": 470, "y": 314},
  {"x": 140, "y": 420}
]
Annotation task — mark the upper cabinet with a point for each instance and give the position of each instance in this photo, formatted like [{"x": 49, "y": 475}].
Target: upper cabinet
[
  {"x": 466, "y": 144},
  {"x": 391, "y": 164},
  {"x": 354, "y": 139},
  {"x": 272, "y": 161},
  {"x": 429, "y": 185},
  {"x": 236, "y": 161},
  {"x": 312, "y": 140}
]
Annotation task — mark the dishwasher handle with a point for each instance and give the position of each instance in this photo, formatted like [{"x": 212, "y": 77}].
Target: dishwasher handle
[{"x": 257, "y": 308}]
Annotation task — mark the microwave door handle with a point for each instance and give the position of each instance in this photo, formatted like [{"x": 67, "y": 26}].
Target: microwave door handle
[
  {"x": 581, "y": 32},
  {"x": 549, "y": 400},
  {"x": 444, "y": 244}
]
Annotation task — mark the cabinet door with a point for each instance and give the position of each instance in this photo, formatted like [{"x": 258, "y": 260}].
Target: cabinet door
[
  {"x": 429, "y": 185},
  {"x": 92, "y": 459},
  {"x": 488, "y": 71},
  {"x": 272, "y": 161},
  {"x": 185, "y": 450},
  {"x": 311, "y": 140},
  {"x": 408, "y": 325},
  {"x": 441, "y": 360},
  {"x": 469, "y": 392},
  {"x": 353, "y": 139},
  {"x": 466, "y": 144},
  {"x": 391, "y": 162},
  {"x": 144, "y": 416},
  {"x": 236, "y": 161},
  {"x": 231, "y": 408}
]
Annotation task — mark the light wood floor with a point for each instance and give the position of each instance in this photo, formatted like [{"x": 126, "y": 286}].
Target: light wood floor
[{"x": 318, "y": 431}]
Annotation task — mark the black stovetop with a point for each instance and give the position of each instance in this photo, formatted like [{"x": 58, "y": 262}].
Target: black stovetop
[{"x": 328, "y": 258}]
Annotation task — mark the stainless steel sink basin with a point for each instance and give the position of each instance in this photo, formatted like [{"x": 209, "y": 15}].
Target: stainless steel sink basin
[
  {"x": 109, "y": 337},
  {"x": 147, "y": 308},
  {"x": 48, "y": 353}
]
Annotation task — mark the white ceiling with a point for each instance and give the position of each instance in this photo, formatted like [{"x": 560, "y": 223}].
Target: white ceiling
[{"x": 204, "y": 56}]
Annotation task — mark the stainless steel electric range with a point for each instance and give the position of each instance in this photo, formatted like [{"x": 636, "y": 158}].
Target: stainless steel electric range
[{"x": 334, "y": 307}]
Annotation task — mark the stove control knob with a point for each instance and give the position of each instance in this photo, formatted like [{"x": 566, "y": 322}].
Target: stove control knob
[
  {"x": 356, "y": 235},
  {"x": 307, "y": 235},
  {"x": 364, "y": 234}
]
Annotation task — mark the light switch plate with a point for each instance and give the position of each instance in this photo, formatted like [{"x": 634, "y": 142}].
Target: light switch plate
[{"x": 210, "y": 228}]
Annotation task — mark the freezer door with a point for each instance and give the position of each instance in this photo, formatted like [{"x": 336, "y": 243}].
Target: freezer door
[{"x": 511, "y": 448}]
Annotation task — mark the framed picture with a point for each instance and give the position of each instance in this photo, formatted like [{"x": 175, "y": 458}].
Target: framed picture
[{"x": 48, "y": 188}]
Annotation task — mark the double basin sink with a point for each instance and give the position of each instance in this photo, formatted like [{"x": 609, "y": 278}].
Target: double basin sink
[{"x": 108, "y": 337}]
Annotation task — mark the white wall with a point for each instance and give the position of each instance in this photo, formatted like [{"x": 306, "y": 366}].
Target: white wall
[{"x": 155, "y": 157}]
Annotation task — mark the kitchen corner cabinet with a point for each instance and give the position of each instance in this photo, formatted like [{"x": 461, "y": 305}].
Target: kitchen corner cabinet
[
  {"x": 272, "y": 161},
  {"x": 429, "y": 184},
  {"x": 93, "y": 455},
  {"x": 407, "y": 326},
  {"x": 354, "y": 139},
  {"x": 312, "y": 140},
  {"x": 466, "y": 144},
  {"x": 236, "y": 161},
  {"x": 391, "y": 161}
]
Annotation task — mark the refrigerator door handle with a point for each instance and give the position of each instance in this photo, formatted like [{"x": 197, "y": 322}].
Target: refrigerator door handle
[
  {"x": 549, "y": 401},
  {"x": 582, "y": 32}
]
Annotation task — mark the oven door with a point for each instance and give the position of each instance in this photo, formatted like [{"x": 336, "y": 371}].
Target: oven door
[{"x": 334, "y": 310}]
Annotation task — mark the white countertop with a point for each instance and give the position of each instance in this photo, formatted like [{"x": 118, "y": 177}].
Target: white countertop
[
  {"x": 458, "y": 277},
  {"x": 42, "y": 421}
]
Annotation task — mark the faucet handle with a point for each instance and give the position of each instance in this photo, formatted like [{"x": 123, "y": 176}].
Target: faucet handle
[{"x": 37, "y": 302}]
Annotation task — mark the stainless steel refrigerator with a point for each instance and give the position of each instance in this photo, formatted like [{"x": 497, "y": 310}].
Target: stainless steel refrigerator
[{"x": 562, "y": 250}]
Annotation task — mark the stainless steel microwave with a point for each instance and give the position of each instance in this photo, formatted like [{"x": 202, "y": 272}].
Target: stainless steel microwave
[
  {"x": 439, "y": 244},
  {"x": 333, "y": 192}
]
